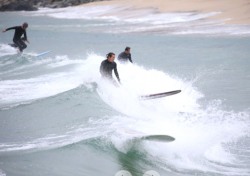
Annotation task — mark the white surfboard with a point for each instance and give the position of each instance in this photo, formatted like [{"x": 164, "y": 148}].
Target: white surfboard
[{"x": 43, "y": 53}]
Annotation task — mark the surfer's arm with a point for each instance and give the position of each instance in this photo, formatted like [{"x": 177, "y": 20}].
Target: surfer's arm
[
  {"x": 116, "y": 74},
  {"x": 101, "y": 69},
  {"x": 130, "y": 59},
  {"x": 25, "y": 37},
  {"x": 120, "y": 56},
  {"x": 10, "y": 28}
]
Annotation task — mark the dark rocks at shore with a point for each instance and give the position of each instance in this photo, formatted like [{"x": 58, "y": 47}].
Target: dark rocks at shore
[
  {"x": 15, "y": 5},
  {"x": 31, "y": 5}
]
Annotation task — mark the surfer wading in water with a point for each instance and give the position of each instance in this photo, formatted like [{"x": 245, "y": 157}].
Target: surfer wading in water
[
  {"x": 125, "y": 56},
  {"x": 107, "y": 66},
  {"x": 19, "y": 31}
]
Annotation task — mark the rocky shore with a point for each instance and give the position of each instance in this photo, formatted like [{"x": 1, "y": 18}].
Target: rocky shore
[{"x": 31, "y": 5}]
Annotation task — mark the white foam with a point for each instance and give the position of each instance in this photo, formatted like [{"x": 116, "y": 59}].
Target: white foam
[
  {"x": 52, "y": 141},
  {"x": 7, "y": 50},
  {"x": 2, "y": 173},
  {"x": 199, "y": 143},
  {"x": 17, "y": 91},
  {"x": 201, "y": 132},
  {"x": 97, "y": 12},
  {"x": 167, "y": 18},
  {"x": 76, "y": 72}
]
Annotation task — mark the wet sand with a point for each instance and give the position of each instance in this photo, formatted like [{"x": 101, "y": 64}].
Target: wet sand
[{"x": 230, "y": 11}]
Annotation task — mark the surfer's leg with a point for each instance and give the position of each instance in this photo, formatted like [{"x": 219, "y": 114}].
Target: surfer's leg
[{"x": 20, "y": 44}]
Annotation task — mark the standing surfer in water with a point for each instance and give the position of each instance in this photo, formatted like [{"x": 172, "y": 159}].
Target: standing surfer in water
[
  {"x": 19, "y": 31},
  {"x": 125, "y": 56},
  {"x": 107, "y": 66}
]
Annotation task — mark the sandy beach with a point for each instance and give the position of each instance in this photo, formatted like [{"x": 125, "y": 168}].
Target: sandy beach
[{"x": 230, "y": 11}]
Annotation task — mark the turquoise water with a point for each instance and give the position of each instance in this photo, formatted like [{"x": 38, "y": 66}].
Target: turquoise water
[{"x": 57, "y": 117}]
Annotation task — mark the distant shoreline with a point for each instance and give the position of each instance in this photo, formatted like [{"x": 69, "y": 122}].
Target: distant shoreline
[
  {"x": 229, "y": 11},
  {"x": 33, "y": 5}
]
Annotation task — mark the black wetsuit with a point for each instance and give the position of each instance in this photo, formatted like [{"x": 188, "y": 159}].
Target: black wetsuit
[
  {"x": 106, "y": 69},
  {"x": 124, "y": 57},
  {"x": 19, "y": 42}
]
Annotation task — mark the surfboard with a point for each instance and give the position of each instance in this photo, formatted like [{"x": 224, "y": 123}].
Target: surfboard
[
  {"x": 43, "y": 53},
  {"x": 159, "y": 95},
  {"x": 156, "y": 138},
  {"x": 38, "y": 55}
]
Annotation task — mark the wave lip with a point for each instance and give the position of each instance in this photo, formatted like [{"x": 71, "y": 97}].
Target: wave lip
[
  {"x": 51, "y": 141},
  {"x": 20, "y": 83}
]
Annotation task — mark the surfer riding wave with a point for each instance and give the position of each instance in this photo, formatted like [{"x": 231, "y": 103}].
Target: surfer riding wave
[{"x": 19, "y": 31}]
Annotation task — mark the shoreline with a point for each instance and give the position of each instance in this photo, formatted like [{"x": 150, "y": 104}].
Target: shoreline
[
  {"x": 33, "y": 5},
  {"x": 229, "y": 11}
]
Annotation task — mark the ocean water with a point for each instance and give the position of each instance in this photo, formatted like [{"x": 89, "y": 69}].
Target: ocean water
[{"x": 58, "y": 117}]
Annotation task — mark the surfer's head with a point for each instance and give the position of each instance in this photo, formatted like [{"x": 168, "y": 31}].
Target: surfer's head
[
  {"x": 127, "y": 50},
  {"x": 25, "y": 25},
  {"x": 111, "y": 57}
]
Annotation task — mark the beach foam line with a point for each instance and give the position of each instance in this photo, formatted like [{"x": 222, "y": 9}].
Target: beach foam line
[{"x": 126, "y": 13}]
